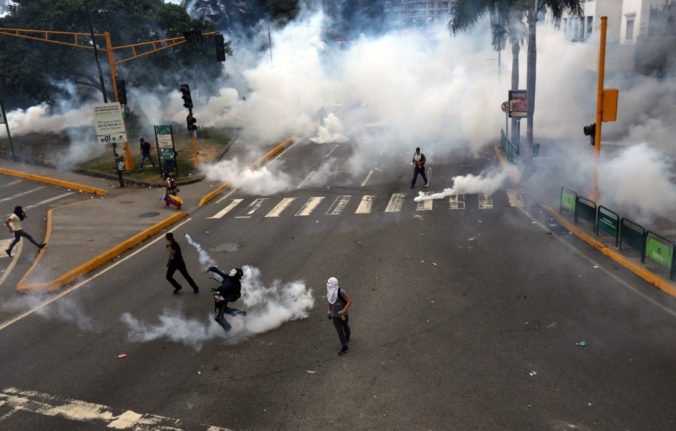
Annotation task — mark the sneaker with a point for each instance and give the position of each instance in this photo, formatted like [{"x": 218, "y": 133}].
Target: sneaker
[
  {"x": 9, "y": 253},
  {"x": 177, "y": 289},
  {"x": 43, "y": 245},
  {"x": 342, "y": 351},
  {"x": 196, "y": 290},
  {"x": 427, "y": 184}
]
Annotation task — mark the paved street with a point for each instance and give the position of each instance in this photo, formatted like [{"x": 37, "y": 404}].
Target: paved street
[{"x": 468, "y": 314}]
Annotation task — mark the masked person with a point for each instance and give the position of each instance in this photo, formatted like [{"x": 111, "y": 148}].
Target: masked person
[
  {"x": 231, "y": 290},
  {"x": 339, "y": 304},
  {"x": 13, "y": 223}
]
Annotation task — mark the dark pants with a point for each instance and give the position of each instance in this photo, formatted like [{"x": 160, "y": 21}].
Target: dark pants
[
  {"x": 145, "y": 157},
  {"x": 417, "y": 171},
  {"x": 343, "y": 330},
  {"x": 180, "y": 267},
  {"x": 17, "y": 236}
]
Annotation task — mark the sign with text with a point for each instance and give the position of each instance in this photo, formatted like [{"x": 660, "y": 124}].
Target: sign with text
[
  {"x": 660, "y": 252},
  {"x": 518, "y": 103},
  {"x": 110, "y": 127}
]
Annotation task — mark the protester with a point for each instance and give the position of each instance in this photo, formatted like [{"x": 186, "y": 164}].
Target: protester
[
  {"x": 418, "y": 162},
  {"x": 231, "y": 290},
  {"x": 176, "y": 263},
  {"x": 339, "y": 304},
  {"x": 13, "y": 223},
  {"x": 145, "y": 153}
]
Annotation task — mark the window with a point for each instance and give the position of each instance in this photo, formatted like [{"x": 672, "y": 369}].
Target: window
[
  {"x": 630, "y": 29},
  {"x": 590, "y": 22}
]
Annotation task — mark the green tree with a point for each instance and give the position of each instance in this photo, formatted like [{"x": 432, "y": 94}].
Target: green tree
[{"x": 30, "y": 71}]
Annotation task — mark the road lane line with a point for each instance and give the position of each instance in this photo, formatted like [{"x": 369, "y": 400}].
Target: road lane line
[
  {"x": 456, "y": 202},
  {"x": 425, "y": 205},
  {"x": 306, "y": 179},
  {"x": 227, "y": 209},
  {"x": 11, "y": 266},
  {"x": 331, "y": 152},
  {"x": 310, "y": 206},
  {"x": 11, "y": 183},
  {"x": 21, "y": 194},
  {"x": 366, "y": 180},
  {"x": 515, "y": 198},
  {"x": 281, "y": 206},
  {"x": 92, "y": 413},
  {"x": 395, "y": 203},
  {"x": 339, "y": 205},
  {"x": 227, "y": 195},
  {"x": 485, "y": 201},
  {"x": 46, "y": 201},
  {"x": 253, "y": 207},
  {"x": 73, "y": 288},
  {"x": 365, "y": 205}
]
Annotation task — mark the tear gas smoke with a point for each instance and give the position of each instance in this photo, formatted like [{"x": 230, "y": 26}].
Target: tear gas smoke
[
  {"x": 484, "y": 183},
  {"x": 173, "y": 326},
  {"x": 204, "y": 258},
  {"x": 259, "y": 181},
  {"x": 66, "y": 309},
  {"x": 330, "y": 131}
]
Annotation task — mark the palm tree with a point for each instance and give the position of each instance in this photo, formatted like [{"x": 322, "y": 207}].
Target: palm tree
[{"x": 506, "y": 26}]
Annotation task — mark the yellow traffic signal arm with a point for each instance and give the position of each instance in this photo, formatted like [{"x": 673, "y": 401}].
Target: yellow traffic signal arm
[
  {"x": 153, "y": 45},
  {"x": 47, "y": 36}
]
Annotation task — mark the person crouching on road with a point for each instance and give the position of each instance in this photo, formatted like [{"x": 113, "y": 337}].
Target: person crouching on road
[
  {"x": 13, "y": 223},
  {"x": 176, "y": 263},
  {"x": 339, "y": 304}
]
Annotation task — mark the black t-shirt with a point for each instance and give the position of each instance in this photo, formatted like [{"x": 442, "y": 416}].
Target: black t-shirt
[{"x": 178, "y": 257}]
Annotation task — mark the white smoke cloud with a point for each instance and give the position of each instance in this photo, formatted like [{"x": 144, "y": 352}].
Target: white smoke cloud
[
  {"x": 330, "y": 131},
  {"x": 266, "y": 308},
  {"x": 484, "y": 183},
  {"x": 259, "y": 181},
  {"x": 204, "y": 258},
  {"x": 67, "y": 309}
]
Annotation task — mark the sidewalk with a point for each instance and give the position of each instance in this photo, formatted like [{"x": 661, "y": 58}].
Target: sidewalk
[{"x": 85, "y": 235}]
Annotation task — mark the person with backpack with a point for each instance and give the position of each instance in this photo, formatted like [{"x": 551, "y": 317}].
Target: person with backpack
[
  {"x": 418, "y": 162},
  {"x": 339, "y": 304},
  {"x": 13, "y": 223},
  {"x": 230, "y": 289}
]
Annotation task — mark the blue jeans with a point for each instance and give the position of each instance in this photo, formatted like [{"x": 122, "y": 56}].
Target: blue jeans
[{"x": 417, "y": 171}]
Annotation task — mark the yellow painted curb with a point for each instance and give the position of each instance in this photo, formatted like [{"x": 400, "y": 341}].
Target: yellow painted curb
[
  {"x": 267, "y": 156},
  {"x": 98, "y": 260},
  {"x": 61, "y": 183},
  {"x": 501, "y": 157},
  {"x": 664, "y": 285}
]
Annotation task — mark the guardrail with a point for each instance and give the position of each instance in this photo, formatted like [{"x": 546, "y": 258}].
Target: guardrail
[
  {"x": 510, "y": 150},
  {"x": 626, "y": 233}
]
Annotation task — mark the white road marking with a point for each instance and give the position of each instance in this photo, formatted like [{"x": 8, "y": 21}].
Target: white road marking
[
  {"x": 253, "y": 207},
  {"x": 11, "y": 266},
  {"x": 21, "y": 194},
  {"x": 515, "y": 197},
  {"x": 281, "y": 206},
  {"x": 306, "y": 179},
  {"x": 73, "y": 288},
  {"x": 425, "y": 205},
  {"x": 395, "y": 203},
  {"x": 227, "y": 195},
  {"x": 84, "y": 412},
  {"x": 366, "y": 180},
  {"x": 456, "y": 202},
  {"x": 485, "y": 202},
  {"x": 227, "y": 209},
  {"x": 309, "y": 206},
  {"x": 365, "y": 205},
  {"x": 338, "y": 205},
  {"x": 46, "y": 201},
  {"x": 331, "y": 152},
  {"x": 11, "y": 183}
]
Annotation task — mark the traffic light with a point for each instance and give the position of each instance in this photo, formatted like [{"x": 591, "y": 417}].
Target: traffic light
[
  {"x": 193, "y": 36},
  {"x": 185, "y": 95},
  {"x": 121, "y": 91},
  {"x": 590, "y": 131},
  {"x": 191, "y": 122},
  {"x": 219, "y": 42}
]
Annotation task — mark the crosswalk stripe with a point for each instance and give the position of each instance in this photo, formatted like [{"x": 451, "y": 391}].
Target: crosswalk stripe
[
  {"x": 485, "y": 202},
  {"x": 281, "y": 206},
  {"x": 338, "y": 205},
  {"x": 515, "y": 198},
  {"x": 425, "y": 205},
  {"x": 456, "y": 202},
  {"x": 253, "y": 207},
  {"x": 227, "y": 209},
  {"x": 395, "y": 203},
  {"x": 310, "y": 206},
  {"x": 365, "y": 205}
]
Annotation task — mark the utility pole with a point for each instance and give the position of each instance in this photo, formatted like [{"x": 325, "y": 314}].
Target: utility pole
[
  {"x": 96, "y": 52},
  {"x": 3, "y": 118},
  {"x": 596, "y": 195}
]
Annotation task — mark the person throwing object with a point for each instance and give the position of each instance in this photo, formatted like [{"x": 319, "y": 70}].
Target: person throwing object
[
  {"x": 418, "y": 162},
  {"x": 13, "y": 223},
  {"x": 231, "y": 290}
]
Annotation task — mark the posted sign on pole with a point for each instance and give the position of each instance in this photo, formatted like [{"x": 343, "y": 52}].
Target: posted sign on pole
[
  {"x": 164, "y": 136},
  {"x": 518, "y": 103},
  {"x": 110, "y": 127}
]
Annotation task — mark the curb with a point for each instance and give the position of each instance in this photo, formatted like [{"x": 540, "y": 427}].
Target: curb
[
  {"x": 652, "y": 278},
  {"x": 267, "y": 156},
  {"x": 61, "y": 183},
  {"x": 94, "y": 263}
]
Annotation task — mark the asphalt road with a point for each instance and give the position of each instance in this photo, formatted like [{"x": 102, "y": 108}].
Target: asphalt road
[{"x": 466, "y": 317}]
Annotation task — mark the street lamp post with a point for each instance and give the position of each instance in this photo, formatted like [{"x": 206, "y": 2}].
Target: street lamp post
[{"x": 96, "y": 52}]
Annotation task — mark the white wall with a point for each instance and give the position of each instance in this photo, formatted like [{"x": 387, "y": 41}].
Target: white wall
[{"x": 631, "y": 11}]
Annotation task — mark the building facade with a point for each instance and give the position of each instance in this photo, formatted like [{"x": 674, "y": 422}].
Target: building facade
[{"x": 418, "y": 13}]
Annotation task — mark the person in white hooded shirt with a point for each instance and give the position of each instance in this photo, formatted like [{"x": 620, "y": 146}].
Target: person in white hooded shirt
[{"x": 339, "y": 304}]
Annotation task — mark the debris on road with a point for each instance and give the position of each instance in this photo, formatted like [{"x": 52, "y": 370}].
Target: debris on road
[
  {"x": 121, "y": 356},
  {"x": 532, "y": 373},
  {"x": 311, "y": 371},
  {"x": 581, "y": 343}
]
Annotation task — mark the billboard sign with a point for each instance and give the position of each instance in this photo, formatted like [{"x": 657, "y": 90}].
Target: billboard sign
[
  {"x": 518, "y": 103},
  {"x": 110, "y": 127}
]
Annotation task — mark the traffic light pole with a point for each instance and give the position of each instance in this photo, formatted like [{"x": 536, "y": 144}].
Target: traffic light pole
[
  {"x": 9, "y": 135},
  {"x": 596, "y": 194},
  {"x": 195, "y": 149}
]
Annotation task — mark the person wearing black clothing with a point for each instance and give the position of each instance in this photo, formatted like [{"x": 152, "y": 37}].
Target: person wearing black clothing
[
  {"x": 176, "y": 263},
  {"x": 339, "y": 304},
  {"x": 418, "y": 163},
  {"x": 145, "y": 153},
  {"x": 230, "y": 289}
]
